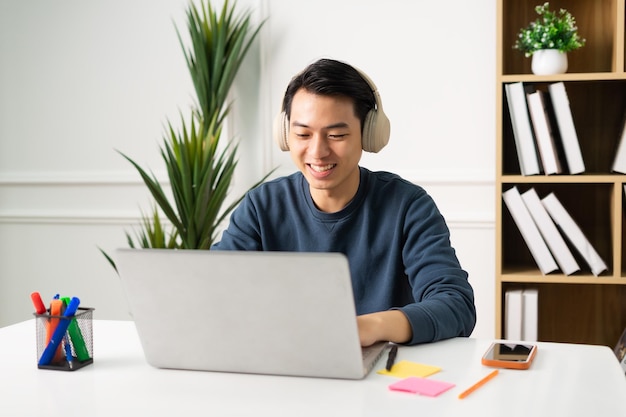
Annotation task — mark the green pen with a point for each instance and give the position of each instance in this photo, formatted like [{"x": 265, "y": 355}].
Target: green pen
[{"x": 76, "y": 337}]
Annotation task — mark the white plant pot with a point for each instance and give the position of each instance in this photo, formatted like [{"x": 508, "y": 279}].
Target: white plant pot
[{"x": 549, "y": 62}]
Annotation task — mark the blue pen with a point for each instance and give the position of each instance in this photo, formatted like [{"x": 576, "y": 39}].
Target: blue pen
[
  {"x": 66, "y": 339},
  {"x": 59, "y": 332},
  {"x": 68, "y": 351}
]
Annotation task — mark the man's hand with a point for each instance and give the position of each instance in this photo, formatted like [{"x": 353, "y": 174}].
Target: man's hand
[{"x": 391, "y": 325}]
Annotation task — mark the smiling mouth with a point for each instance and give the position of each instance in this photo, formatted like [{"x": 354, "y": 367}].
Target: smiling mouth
[{"x": 322, "y": 168}]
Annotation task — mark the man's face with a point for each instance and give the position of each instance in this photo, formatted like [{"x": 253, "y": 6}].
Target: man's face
[{"x": 325, "y": 144}]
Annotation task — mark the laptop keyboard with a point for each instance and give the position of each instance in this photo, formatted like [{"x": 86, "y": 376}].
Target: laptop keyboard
[{"x": 372, "y": 353}]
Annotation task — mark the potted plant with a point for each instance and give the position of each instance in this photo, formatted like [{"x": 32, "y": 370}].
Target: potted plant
[
  {"x": 200, "y": 163},
  {"x": 548, "y": 40}
]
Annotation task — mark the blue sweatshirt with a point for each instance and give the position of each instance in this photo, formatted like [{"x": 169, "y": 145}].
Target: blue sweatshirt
[{"x": 396, "y": 241}]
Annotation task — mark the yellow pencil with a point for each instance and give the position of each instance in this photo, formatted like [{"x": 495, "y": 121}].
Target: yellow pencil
[{"x": 478, "y": 384}]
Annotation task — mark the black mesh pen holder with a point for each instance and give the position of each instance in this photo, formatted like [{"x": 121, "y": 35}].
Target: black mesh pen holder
[{"x": 75, "y": 349}]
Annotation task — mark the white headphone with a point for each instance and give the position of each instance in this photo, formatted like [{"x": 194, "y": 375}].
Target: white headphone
[{"x": 376, "y": 128}]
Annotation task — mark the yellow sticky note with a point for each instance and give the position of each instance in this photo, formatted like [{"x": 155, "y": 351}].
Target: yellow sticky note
[{"x": 405, "y": 369}]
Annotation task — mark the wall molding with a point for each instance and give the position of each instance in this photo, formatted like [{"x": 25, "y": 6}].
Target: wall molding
[
  {"x": 454, "y": 221},
  {"x": 71, "y": 178},
  {"x": 113, "y": 178},
  {"x": 85, "y": 218},
  {"x": 13, "y": 186}
]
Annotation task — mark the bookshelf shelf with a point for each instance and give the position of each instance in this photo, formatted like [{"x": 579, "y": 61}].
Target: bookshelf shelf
[
  {"x": 598, "y": 76},
  {"x": 565, "y": 179},
  {"x": 530, "y": 276},
  {"x": 581, "y": 307}
]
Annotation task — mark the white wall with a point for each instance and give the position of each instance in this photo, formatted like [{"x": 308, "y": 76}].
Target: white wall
[{"x": 80, "y": 79}]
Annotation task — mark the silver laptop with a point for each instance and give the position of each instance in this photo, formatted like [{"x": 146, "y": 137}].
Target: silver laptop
[{"x": 279, "y": 313}]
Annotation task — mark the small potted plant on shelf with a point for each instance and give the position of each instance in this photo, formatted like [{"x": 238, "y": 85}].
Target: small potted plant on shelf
[{"x": 548, "y": 40}]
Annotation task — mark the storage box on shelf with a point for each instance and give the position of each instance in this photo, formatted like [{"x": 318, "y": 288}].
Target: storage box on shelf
[{"x": 579, "y": 308}]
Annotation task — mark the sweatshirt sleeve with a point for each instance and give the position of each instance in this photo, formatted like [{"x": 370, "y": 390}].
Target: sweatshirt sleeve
[
  {"x": 444, "y": 299},
  {"x": 243, "y": 230}
]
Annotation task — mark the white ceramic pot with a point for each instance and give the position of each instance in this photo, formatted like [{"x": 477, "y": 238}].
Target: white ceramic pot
[{"x": 548, "y": 62}]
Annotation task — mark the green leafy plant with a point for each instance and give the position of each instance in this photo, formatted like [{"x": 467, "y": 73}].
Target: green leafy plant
[
  {"x": 200, "y": 163},
  {"x": 552, "y": 30}
]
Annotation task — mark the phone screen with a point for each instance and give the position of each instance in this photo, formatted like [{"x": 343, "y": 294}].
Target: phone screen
[{"x": 509, "y": 352}]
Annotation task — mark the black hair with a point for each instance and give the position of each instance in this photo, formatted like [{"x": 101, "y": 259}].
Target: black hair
[{"x": 329, "y": 77}]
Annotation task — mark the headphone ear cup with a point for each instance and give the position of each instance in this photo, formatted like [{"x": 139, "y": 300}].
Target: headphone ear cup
[
  {"x": 376, "y": 127},
  {"x": 279, "y": 131},
  {"x": 376, "y": 131}
]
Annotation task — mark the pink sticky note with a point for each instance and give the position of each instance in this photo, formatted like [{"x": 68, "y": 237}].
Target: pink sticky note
[{"x": 423, "y": 386}]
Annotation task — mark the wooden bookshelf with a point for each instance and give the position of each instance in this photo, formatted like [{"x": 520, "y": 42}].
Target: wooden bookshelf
[{"x": 580, "y": 308}]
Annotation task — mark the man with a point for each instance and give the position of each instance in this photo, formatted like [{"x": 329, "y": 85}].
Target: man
[{"x": 407, "y": 282}]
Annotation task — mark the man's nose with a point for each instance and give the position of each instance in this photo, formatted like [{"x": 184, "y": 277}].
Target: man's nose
[{"x": 318, "y": 146}]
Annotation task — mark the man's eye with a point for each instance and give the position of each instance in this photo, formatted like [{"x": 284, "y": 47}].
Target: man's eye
[
  {"x": 337, "y": 136},
  {"x": 301, "y": 135}
]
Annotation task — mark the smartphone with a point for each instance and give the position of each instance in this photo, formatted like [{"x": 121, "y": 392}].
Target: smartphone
[{"x": 510, "y": 355}]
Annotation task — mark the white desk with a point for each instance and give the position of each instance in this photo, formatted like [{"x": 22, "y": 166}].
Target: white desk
[{"x": 564, "y": 380}]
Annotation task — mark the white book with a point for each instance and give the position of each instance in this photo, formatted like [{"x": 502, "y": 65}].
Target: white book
[
  {"x": 522, "y": 130},
  {"x": 543, "y": 133},
  {"x": 620, "y": 350},
  {"x": 567, "y": 129},
  {"x": 573, "y": 233},
  {"x": 619, "y": 163},
  {"x": 530, "y": 315},
  {"x": 529, "y": 231},
  {"x": 561, "y": 252},
  {"x": 513, "y": 314}
]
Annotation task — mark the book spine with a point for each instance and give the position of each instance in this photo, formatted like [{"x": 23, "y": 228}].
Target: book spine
[
  {"x": 530, "y": 314},
  {"x": 564, "y": 257},
  {"x": 619, "y": 163},
  {"x": 513, "y": 314},
  {"x": 529, "y": 231},
  {"x": 522, "y": 131},
  {"x": 545, "y": 141},
  {"x": 573, "y": 233},
  {"x": 567, "y": 129}
]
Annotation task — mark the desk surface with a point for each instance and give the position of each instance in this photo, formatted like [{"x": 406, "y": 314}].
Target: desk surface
[{"x": 564, "y": 380}]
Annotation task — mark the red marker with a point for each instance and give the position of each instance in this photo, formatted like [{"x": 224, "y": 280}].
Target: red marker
[
  {"x": 55, "y": 310},
  {"x": 40, "y": 308}
]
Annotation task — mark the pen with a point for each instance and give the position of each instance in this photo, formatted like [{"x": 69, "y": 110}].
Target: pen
[
  {"x": 40, "y": 308},
  {"x": 56, "y": 310},
  {"x": 76, "y": 337},
  {"x": 59, "y": 333},
  {"x": 68, "y": 351},
  {"x": 392, "y": 357},
  {"x": 478, "y": 384},
  {"x": 66, "y": 339}
]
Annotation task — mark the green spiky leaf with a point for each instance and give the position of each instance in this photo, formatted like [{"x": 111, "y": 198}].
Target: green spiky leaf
[{"x": 200, "y": 164}]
